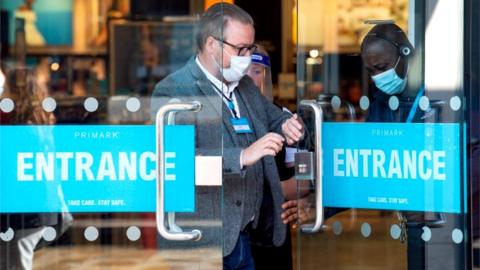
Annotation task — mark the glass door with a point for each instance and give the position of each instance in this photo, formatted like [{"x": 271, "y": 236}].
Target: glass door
[
  {"x": 101, "y": 166},
  {"x": 381, "y": 90}
]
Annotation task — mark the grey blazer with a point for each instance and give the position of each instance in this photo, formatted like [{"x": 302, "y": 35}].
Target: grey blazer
[{"x": 190, "y": 83}]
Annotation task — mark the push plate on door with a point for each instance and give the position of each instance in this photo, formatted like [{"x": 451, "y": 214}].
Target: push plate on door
[{"x": 304, "y": 169}]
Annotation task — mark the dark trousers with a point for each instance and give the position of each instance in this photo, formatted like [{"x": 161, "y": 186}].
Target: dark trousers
[
  {"x": 271, "y": 257},
  {"x": 241, "y": 256}
]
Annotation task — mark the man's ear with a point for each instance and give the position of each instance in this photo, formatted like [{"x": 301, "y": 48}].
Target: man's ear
[{"x": 210, "y": 45}]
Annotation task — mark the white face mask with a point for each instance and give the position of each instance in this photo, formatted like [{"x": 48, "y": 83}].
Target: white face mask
[{"x": 238, "y": 67}]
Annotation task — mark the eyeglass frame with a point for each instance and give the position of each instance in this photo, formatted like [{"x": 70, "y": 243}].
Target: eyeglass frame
[{"x": 239, "y": 49}]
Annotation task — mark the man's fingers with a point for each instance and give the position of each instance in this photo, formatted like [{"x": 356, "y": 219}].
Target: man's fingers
[
  {"x": 288, "y": 204},
  {"x": 269, "y": 152},
  {"x": 294, "y": 120},
  {"x": 294, "y": 131},
  {"x": 275, "y": 141}
]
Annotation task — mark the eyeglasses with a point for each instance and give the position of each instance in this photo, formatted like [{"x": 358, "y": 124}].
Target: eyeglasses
[{"x": 241, "y": 51}]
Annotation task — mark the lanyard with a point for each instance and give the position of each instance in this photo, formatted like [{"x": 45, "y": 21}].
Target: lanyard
[
  {"x": 230, "y": 103},
  {"x": 414, "y": 108}
]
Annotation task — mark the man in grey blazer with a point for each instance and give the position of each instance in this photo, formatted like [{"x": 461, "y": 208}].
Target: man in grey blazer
[{"x": 253, "y": 129}]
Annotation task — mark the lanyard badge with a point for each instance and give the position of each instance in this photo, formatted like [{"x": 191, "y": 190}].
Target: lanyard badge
[{"x": 241, "y": 125}]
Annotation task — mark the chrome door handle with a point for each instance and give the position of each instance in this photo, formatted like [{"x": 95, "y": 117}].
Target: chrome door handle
[
  {"x": 160, "y": 183},
  {"x": 315, "y": 227}
]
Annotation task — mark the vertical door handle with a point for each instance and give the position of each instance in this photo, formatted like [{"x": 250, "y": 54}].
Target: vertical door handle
[
  {"x": 317, "y": 225},
  {"x": 160, "y": 183}
]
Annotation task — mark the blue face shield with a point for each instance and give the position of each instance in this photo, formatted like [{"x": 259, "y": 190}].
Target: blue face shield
[{"x": 389, "y": 82}]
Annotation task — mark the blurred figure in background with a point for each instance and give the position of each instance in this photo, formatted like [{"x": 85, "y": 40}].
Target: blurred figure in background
[
  {"x": 22, "y": 233},
  {"x": 265, "y": 254}
]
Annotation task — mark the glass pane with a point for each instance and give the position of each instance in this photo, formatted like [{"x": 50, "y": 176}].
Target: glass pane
[
  {"x": 80, "y": 139},
  {"x": 392, "y": 138}
]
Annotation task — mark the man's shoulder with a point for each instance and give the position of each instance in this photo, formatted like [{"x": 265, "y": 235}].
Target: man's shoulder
[{"x": 176, "y": 81}]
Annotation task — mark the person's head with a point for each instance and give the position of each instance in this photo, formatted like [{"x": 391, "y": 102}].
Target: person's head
[
  {"x": 225, "y": 39},
  {"x": 22, "y": 88},
  {"x": 260, "y": 72},
  {"x": 385, "y": 51}
]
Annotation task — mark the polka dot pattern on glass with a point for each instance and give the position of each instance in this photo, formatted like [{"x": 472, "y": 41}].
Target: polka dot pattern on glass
[
  {"x": 336, "y": 102},
  {"x": 366, "y": 230},
  {"x": 133, "y": 233},
  {"x": 427, "y": 234},
  {"x": 424, "y": 103},
  {"x": 457, "y": 236},
  {"x": 133, "y": 104},
  {"x": 49, "y": 234},
  {"x": 395, "y": 231},
  {"x": 7, "y": 235},
  {"x": 364, "y": 103},
  {"x": 337, "y": 227},
  {"x": 91, "y": 233},
  {"x": 49, "y": 104},
  {"x": 455, "y": 103},
  {"x": 7, "y": 105},
  {"x": 91, "y": 104},
  {"x": 393, "y": 103}
]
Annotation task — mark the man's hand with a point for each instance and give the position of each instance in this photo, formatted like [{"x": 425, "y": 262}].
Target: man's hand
[
  {"x": 268, "y": 145},
  {"x": 293, "y": 129},
  {"x": 297, "y": 212}
]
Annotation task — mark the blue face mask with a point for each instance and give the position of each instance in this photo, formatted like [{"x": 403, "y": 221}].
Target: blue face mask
[{"x": 389, "y": 82}]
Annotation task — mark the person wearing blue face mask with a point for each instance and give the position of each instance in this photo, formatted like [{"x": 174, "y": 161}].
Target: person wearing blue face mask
[{"x": 385, "y": 52}]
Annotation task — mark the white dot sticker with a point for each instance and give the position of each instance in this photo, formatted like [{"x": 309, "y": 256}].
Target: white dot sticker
[
  {"x": 427, "y": 234},
  {"x": 91, "y": 233},
  {"x": 455, "y": 103},
  {"x": 133, "y": 233},
  {"x": 337, "y": 227},
  {"x": 364, "y": 103},
  {"x": 336, "y": 102},
  {"x": 393, "y": 103},
  {"x": 457, "y": 236},
  {"x": 7, "y": 105},
  {"x": 49, "y": 234},
  {"x": 133, "y": 104},
  {"x": 7, "y": 235},
  {"x": 91, "y": 104},
  {"x": 395, "y": 231},
  {"x": 49, "y": 104},
  {"x": 366, "y": 230},
  {"x": 424, "y": 103}
]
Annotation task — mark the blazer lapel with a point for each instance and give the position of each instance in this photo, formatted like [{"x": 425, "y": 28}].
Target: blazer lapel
[{"x": 258, "y": 127}]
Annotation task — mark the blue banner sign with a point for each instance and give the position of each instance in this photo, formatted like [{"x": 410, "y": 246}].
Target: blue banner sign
[
  {"x": 94, "y": 169},
  {"x": 392, "y": 166}
]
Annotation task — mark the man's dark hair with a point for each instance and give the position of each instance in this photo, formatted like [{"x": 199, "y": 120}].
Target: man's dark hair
[{"x": 215, "y": 19}]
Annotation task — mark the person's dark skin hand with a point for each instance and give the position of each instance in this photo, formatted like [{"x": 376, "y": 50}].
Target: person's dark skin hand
[
  {"x": 268, "y": 145},
  {"x": 297, "y": 212}
]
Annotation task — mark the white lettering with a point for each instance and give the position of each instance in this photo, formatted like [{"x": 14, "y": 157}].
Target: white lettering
[
  {"x": 439, "y": 164},
  {"x": 83, "y": 164},
  {"x": 147, "y": 176},
  {"x": 44, "y": 166},
  {"x": 22, "y": 165},
  {"x": 337, "y": 162},
  {"x": 378, "y": 161},
  {"x": 424, "y": 172},
  {"x": 394, "y": 167},
  {"x": 106, "y": 167},
  {"x": 410, "y": 164},
  {"x": 352, "y": 162},
  {"x": 365, "y": 153},
  {"x": 170, "y": 165},
  {"x": 127, "y": 165}
]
